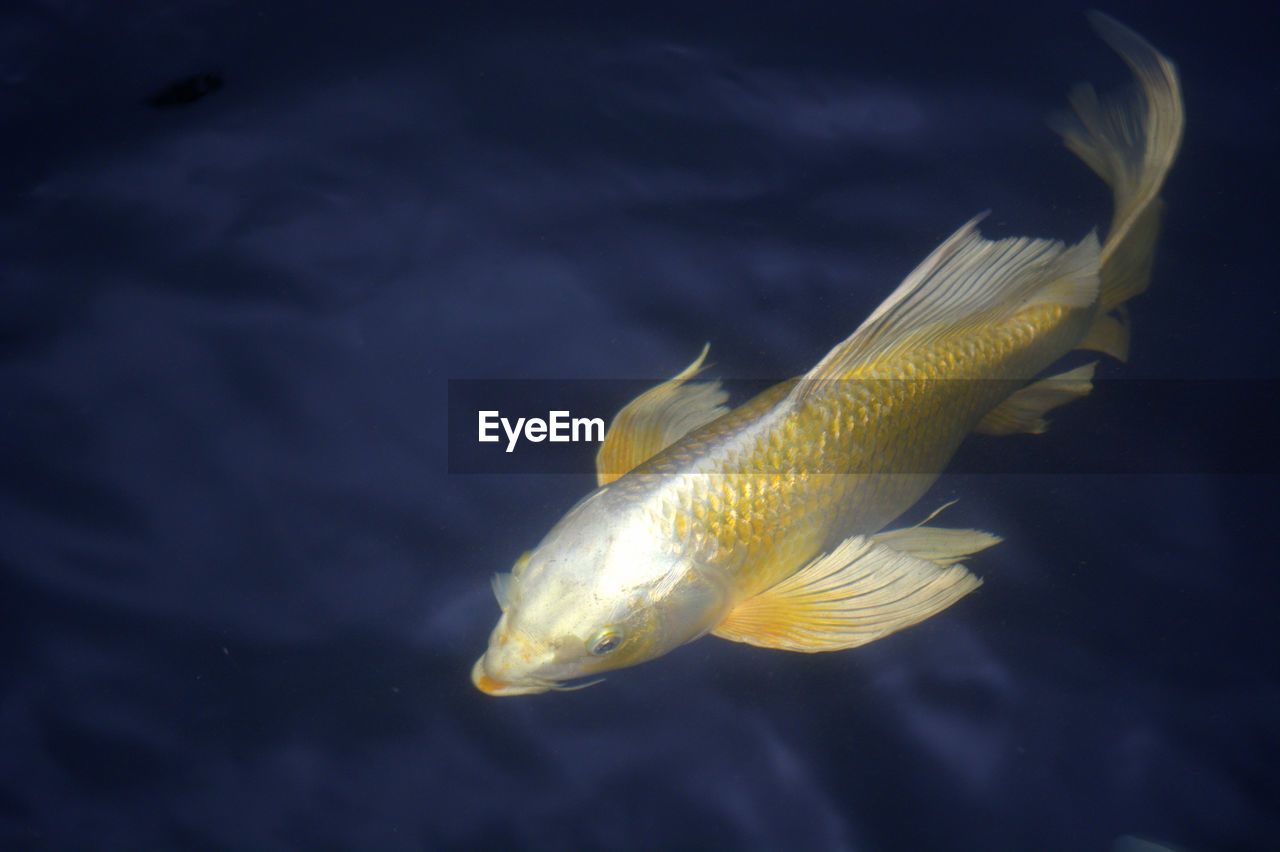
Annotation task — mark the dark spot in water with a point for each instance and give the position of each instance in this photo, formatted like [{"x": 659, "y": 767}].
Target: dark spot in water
[{"x": 186, "y": 91}]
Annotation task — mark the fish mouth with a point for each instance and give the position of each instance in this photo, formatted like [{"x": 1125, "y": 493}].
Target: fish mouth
[
  {"x": 531, "y": 686},
  {"x": 493, "y": 686}
]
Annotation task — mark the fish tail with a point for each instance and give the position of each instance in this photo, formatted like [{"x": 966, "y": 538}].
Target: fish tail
[{"x": 1130, "y": 140}]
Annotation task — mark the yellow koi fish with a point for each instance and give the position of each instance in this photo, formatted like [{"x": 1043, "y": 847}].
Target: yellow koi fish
[{"x": 764, "y": 524}]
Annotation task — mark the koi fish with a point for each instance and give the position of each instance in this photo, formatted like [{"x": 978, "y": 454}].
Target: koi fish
[{"x": 765, "y": 524}]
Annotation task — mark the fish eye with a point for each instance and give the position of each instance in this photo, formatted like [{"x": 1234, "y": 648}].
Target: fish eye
[{"x": 604, "y": 640}]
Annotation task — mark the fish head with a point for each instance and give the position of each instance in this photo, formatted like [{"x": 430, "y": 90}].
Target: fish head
[{"x": 591, "y": 598}]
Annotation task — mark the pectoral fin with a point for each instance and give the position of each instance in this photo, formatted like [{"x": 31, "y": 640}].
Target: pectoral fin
[
  {"x": 939, "y": 545},
  {"x": 861, "y": 591},
  {"x": 658, "y": 418},
  {"x": 505, "y": 582},
  {"x": 501, "y": 583},
  {"x": 1024, "y": 410}
]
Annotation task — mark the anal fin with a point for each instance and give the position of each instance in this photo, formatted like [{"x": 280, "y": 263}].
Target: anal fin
[
  {"x": 857, "y": 593},
  {"x": 1109, "y": 334},
  {"x": 1024, "y": 410},
  {"x": 658, "y": 418}
]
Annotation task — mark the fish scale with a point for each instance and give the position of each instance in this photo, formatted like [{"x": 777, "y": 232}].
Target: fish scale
[{"x": 760, "y": 495}]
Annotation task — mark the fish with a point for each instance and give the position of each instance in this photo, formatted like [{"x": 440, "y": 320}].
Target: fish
[{"x": 766, "y": 523}]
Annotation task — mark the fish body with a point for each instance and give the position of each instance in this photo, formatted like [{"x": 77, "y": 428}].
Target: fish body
[{"x": 765, "y": 524}]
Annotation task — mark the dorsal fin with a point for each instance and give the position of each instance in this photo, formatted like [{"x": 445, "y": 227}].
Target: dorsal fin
[
  {"x": 966, "y": 283},
  {"x": 658, "y": 418}
]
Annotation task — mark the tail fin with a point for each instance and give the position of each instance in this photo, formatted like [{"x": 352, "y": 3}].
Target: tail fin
[{"x": 1131, "y": 142}]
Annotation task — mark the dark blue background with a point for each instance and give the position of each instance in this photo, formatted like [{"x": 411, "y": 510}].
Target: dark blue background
[{"x": 240, "y": 594}]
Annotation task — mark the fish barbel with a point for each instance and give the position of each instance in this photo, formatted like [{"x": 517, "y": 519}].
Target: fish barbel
[{"x": 765, "y": 524}]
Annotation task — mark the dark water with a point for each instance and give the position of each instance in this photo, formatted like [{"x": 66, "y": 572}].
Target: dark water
[{"x": 245, "y": 247}]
